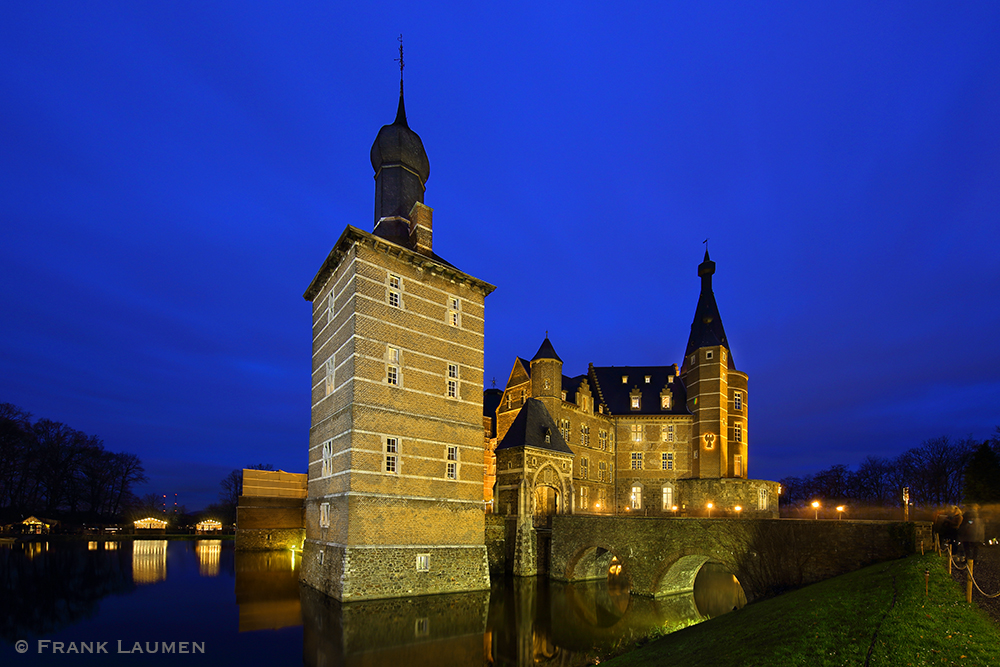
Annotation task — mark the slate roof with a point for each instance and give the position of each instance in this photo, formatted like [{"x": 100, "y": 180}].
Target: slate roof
[
  {"x": 707, "y": 329},
  {"x": 571, "y": 386},
  {"x": 529, "y": 428},
  {"x": 546, "y": 351},
  {"x": 606, "y": 382},
  {"x": 491, "y": 401}
]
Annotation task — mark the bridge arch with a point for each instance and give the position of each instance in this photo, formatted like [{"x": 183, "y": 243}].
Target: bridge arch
[
  {"x": 592, "y": 562},
  {"x": 676, "y": 573}
]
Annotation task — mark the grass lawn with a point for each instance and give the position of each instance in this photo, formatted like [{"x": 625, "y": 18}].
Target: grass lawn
[{"x": 834, "y": 623}]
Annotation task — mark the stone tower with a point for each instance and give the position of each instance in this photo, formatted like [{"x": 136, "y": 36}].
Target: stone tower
[
  {"x": 395, "y": 485},
  {"x": 716, "y": 391}
]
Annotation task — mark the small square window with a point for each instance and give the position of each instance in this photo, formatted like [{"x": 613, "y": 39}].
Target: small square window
[
  {"x": 423, "y": 562},
  {"x": 647, "y": 379},
  {"x": 624, "y": 379},
  {"x": 392, "y": 375},
  {"x": 709, "y": 355},
  {"x": 452, "y": 452},
  {"x": 452, "y": 389}
]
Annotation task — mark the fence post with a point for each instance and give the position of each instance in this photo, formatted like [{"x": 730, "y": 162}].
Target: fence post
[{"x": 968, "y": 581}]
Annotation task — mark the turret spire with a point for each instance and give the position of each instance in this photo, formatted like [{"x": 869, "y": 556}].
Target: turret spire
[{"x": 707, "y": 329}]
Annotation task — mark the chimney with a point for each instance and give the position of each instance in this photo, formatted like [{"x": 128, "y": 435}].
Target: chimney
[{"x": 421, "y": 233}]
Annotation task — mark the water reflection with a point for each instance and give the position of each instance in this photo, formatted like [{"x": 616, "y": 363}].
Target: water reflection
[
  {"x": 267, "y": 590},
  {"x": 149, "y": 561},
  {"x": 717, "y": 591},
  {"x": 208, "y": 552}
]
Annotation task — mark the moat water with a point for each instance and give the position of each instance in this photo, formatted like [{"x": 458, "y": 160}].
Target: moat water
[{"x": 224, "y": 607}]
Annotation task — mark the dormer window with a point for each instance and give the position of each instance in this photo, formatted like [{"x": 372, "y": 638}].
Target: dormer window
[
  {"x": 564, "y": 396},
  {"x": 647, "y": 379},
  {"x": 635, "y": 402},
  {"x": 665, "y": 401},
  {"x": 548, "y": 436},
  {"x": 624, "y": 379}
]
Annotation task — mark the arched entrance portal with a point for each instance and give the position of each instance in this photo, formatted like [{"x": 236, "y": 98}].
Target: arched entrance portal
[{"x": 546, "y": 505}]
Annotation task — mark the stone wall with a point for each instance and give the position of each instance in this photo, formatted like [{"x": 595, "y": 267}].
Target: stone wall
[
  {"x": 662, "y": 556},
  {"x": 265, "y": 524},
  {"x": 496, "y": 543},
  {"x": 726, "y": 494}
]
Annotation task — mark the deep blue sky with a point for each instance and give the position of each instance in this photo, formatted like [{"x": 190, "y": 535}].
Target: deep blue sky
[{"x": 173, "y": 174}]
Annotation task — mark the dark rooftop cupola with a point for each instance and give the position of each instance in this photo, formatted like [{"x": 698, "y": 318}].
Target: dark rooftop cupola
[
  {"x": 401, "y": 170},
  {"x": 546, "y": 351},
  {"x": 707, "y": 329}
]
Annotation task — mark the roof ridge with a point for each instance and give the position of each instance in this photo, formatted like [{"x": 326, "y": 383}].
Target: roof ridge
[{"x": 597, "y": 384}]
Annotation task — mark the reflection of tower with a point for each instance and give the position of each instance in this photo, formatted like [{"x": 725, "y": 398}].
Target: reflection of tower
[
  {"x": 395, "y": 486},
  {"x": 149, "y": 561}
]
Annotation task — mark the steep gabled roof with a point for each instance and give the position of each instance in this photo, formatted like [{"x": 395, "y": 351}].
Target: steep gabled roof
[
  {"x": 546, "y": 351},
  {"x": 617, "y": 395},
  {"x": 533, "y": 421}
]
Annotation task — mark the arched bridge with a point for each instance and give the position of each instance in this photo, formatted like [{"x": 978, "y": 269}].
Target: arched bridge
[{"x": 662, "y": 556}]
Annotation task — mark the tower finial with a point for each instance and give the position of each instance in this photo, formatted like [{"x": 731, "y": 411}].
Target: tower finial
[
  {"x": 706, "y": 248},
  {"x": 400, "y": 61}
]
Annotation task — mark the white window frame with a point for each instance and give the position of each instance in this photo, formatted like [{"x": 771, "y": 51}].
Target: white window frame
[
  {"x": 395, "y": 291},
  {"x": 738, "y": 465},
  {"x": 393, "y": 362},
  {"x": 584, "y": 467},
  {"x": 635, "y": 402},
  {"x": 668, "y": 497},
  {"x": 636, "y": 460},
  {"x": 737, "y": 400},
  {"x": 738, "y": 431},
  {"x": 451, "y": 386},
  {"x": 327, "y": 460},
  {"x": 637, "y": 432},
  {"x": 324, "y": 515},
  {"x": 391, "y": 458},
  {"x": 665, "y": 402},
  {"x": 423, "y": 563},
  {"x": 329, "y": 368},
  {"x": 635, "y": 497}
]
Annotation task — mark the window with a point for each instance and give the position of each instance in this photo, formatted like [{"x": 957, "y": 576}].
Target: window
[
  {"x": 709, "y": 355},
  {"x": 453, "y": 310},
  {"x": 452, "y": 467},
  {"x": 635, "y": 402},
  {"x": 738, "y": 465},
  {"x": 635, "y": 500},
  {"x": 737, "y": 431},
  {"x": 624, "y": 379},
  {"x": 636, "y": 460},
  {"x": 668, "y": 498},
  {"x": 327, "y": 459},
  {"x": 584, "y": 497},
  {"x": 667, "y": 460},
  {"x": 670, "y": 433},
  {"x": 423, "y": 562},
  {"x": 564, "y": 395},
  {"x": 452, "y": 452},
  {"x": 564, "y": 429},
  {"x": 738, "y": 400},
  {"x": 452, "y": 470},
  {"x": 392, "y": 367},
  {"x": 546, "y": 383},
  {"x": 762, "y": 498},
  {"x": 647, "y": 379},
  {"x": 392, "y": 455},
  {"x": 602, "y": 438},
  {"x": 585, "y": 435},
  {"x": 602, "y": 471},
  {"x": 452, "y": 380},
  {"x": 600, "y": 499},
  {"x": 324, "y": 515},
  {"x": 665, "y": 401},
  {"x": 636, "y": 432},
  {"x": 584, "y": 468},
  {"x": 329, "y": 308},
  {"x": 395, "y": 286},
  {"x": 509, "y": 397},
  {"x": 329, "y": 367}
]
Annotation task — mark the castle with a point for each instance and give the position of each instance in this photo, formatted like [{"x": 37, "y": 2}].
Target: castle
[{"x": 398, "y": 469}]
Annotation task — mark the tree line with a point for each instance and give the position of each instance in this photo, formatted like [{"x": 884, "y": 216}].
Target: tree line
[
  {"x": 52, "y": 470},
  {"x": 939, "y": 472}
]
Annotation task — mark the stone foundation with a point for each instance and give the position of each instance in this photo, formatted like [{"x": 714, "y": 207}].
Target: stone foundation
[
  {"x": 367, "y": 573},
  {"x": 269, "y": 539}
]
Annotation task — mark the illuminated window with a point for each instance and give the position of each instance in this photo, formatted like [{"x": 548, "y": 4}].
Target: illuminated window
[
  {"x": 602, "y": 438},
  {"x": 327, "y": 459},
  {"x": 395, "y": 286},
  {"x": 584, "y": 468},
  {"x": 738, "y": 432},
  {"x": 738, "y": 400},
  {"x": 564, "y": 396},
  {"x": 667, "y": 432},
  {"x": 635, "y": 500},
  {"x": 546, "y": 383},
  {"x": 392, "y": 455},
  {"x": 584, "y": 497},
  {"x": 667, "y": 460},
  {"x": 324, "y": 515},
  {"x": 602, "y": 471},
  {"x": 738, "y": 465},
  {"x": 624, "y": 379},
  {"x": 668, "y": 498},
  {"x": 585, "y": 435},
  {"x": 665, "y": 401},
  {"x": 453, "y": 312},
  {"x": 635, "y": 402},
  {"x": 564, "y": 428},
  {"x": 636, "y": 432},
  {"x": 647, "y": 379},
  {"x": 636, "y": 460},
  {"x": 762, "y": 498}
]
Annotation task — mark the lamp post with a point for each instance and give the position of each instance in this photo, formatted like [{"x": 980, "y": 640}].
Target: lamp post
[
  {"x": 709, "y": 506},
  {"x": 738, "y": 510},
  {"x": 815, "y": 505},
  {"x": 840, "y": 512}
]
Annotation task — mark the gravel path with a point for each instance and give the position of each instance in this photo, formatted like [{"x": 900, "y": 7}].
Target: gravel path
[{"x": 987, "y": 574}]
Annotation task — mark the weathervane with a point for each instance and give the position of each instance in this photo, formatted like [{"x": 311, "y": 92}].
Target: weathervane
[
  {"x": 705, "y": 241},
  {"x": 400, "y": 59}
]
